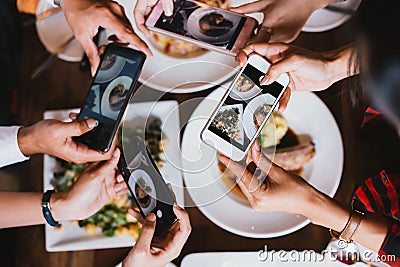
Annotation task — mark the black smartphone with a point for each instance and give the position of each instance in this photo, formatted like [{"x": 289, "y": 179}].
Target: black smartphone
[
  {"x": 146, "y": 184},
  {"x": 110, "y": 92}
]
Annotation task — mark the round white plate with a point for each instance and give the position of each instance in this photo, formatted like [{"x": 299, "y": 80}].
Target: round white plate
[
  {"x": 105, "y": 101},
  {"x": 248, "y": 115},
  {"x": 180, "y": 75},
  {"x": 194, "y": 29},
  {"x": 135, "y": 176},
  {"x": 306, "y": 114},
  {"x": 325, "y": 20},
  {"x": 108, "y": 74},
  {"x": 53, "y": 31}
]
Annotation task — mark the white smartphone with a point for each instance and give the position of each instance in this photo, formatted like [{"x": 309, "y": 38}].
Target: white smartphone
[
  {"x": 244, "y": 109},
  {"x": 206, "y": 26}
]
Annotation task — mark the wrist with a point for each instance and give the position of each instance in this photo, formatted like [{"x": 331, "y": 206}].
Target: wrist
[
  {"x": 341, "y": 63},
  {"x": 325, "y": 211},
  {"x": 25, "y": 143},
  {"x": 58, "y": 206}
]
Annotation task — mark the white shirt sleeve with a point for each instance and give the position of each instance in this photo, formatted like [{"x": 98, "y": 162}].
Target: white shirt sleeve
[{"x": 10, "y": 152}]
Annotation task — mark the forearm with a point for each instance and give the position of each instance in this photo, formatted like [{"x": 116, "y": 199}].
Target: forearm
[
  {"x": 343, "y": 62},
  {"x": 326, "y": 212},
  {"x": 24, "y": 208}
]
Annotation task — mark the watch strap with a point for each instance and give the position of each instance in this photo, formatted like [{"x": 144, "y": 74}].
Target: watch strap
[
  {"x": 46, "y": 209},
  {"x": 351, "y": 227}
]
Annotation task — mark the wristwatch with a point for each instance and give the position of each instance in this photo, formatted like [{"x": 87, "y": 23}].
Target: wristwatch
[
  {"x": 47, "y": 210},
  {"x": 351, "y": 227}
]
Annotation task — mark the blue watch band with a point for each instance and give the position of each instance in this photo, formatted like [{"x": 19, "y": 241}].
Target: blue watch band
[{"x": 46, "y": 209}]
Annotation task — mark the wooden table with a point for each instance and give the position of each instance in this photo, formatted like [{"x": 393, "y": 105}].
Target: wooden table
[{"x": 64, "y": 86}]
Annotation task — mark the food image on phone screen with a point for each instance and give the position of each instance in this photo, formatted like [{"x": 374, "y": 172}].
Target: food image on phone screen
[
  {"x": 204, "y": 23},
  {"x": 109, "y": 92},
  {"x": 246, "y": 108},
  {"x": 146, "y": 184}
]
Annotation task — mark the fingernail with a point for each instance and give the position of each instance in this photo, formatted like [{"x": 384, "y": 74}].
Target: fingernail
[
  {"x": 177, "y": 206},
  {"x": 151, "y": 217},
  {"x": 257, "y": 145},
  {"x": 93, "y": 71},
  {"x": 119, "y": 187},
  {"x": 168, "y": 10},
  {"x": 116, "y": 152},
  {"x": 265, "y": 81},
  {"x": 120, "y": 178},
  {"x": 92, "y": 123},
  {"x": 222, "y": 159},
  {"x": 149, "y": 53}
]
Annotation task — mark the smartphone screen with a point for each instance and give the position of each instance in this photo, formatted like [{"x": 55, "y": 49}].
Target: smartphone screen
[
  {"x": 146, "y": 184},
  {"x": 246, "y": 108},
  {"x": 109, "y": 94},
  {"x": 201, "y": 22}
]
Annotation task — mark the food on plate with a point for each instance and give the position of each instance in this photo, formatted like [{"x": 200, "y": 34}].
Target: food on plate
[
  {"x": 273, "y": 131},
  {"x": 227, "y": 121},
  {"x": 260, "y": 113},
  {"x": 108, "y": 61},
  {"x": 142, "y": 192},
  {"x": 214, "y": 24},
  {"x": 218, "y": 3},
  {"x": 117, "y": 97},
  {"x": 281, "y": 145},
  {"x": 114, "y": 219},
  {"x": 244, "y": 84},
  {"x": 150, "y": 130},
  {"x": 293, "y": 158},
  {"x": 177, "y": 48}
]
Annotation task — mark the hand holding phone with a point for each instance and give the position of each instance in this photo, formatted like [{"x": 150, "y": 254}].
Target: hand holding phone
[
  {"x": 146, "y": 184},
  {"x": 112, "y": 87},
  {"x": 244, "y": 109},
  {"x": 206, "y": 26}
]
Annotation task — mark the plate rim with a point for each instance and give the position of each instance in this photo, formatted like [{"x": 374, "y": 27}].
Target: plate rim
[{"x": 305, "y": 221}]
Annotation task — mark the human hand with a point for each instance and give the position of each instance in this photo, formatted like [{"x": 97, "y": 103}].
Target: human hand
[
  {"x": 148, "y": 253},
  {"x": 279, "y": 191},
  {"x": 307, "y": 70},
  {"x": 96, "y": 186},
  {"x": 143, "y": 8},
  {"x": 285, "y": 18},
  {"x": 54, "y": 137},
  {"x": 86, "y": 16}
]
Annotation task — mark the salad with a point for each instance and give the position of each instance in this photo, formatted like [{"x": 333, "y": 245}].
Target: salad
[{"x": 113, "y": 218}]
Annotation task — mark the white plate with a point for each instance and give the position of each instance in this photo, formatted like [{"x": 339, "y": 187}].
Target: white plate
[
  {"x": 306, "y": 114},
  {"x": 248, "y": 115},
  {"x": 251, "y": 259},
  {"x": 325, "y": 20},
  {"x": 54, "y": 30},
  {"x": 105, "y": 101},
  {"x": 180, "y": 75},
  {"x": 133, "y": 182},
  {"x": 71, "y": 236},
  {"x": 194, "y": 29},
  {"x": 108, "y": 74}
]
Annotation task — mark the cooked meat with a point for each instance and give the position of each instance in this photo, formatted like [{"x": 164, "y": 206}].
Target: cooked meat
[
  {"x": 214, "y": 24},
  {"x": 294, "y": 158}
]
